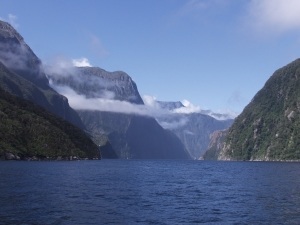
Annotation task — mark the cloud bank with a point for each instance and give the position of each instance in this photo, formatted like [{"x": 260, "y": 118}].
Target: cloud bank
[
  {"x": 106, "y": 103},
  {"x": 99, "y": 97}
]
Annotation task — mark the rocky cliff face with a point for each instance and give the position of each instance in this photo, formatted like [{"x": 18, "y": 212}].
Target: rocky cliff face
[
  {"x": 216, "y": 144},
  {"x": 94, "y": 82},
  {"x": 131, "y": 135},
  {"x": 194, "y": 130},
  {"x": 269, "y": 127},
  {"x": 16, "y": 55},
  {"x": 27, "y": 78}
]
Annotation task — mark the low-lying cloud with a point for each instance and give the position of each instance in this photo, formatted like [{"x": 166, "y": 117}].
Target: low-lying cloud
[
  {"x": 174, "y": 124},
  {"x": 106, "y": 104},
  {"x": 98, "y": 95},
  {"x": 188, "y": 108}
]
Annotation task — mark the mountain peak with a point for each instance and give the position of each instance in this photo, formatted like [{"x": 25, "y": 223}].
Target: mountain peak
[
  {"x": 7, "y": 31},
  {"x": 94, "y": 82},
  {"x": 170, "y": 105}
]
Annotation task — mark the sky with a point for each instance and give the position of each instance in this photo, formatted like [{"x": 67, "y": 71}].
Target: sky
[{"x": 212, "y": 54}]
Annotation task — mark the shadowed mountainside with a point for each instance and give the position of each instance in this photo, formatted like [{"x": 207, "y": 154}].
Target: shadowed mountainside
[{"x": 27, "y": 131}]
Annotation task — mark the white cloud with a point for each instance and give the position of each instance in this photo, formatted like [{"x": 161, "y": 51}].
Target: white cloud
[
  {"x": 174, "y": 124},
  {"x": 80, "y": 102},
  {"x": 274, "y": 15},
  {"x": 59, "y": 66},
  {"x": 188, "y": 108},
  {"x": 150, "y": 101},
  {"x": 12, "y": 19},
  {"x": 106, "y": 103},
  {"x": 82, "y": 62}
]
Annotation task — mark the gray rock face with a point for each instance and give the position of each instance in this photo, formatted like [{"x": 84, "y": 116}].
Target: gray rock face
[
  {"x": 16, "y": 55},
  {"x": 170, "y": 105},
  {"x": 9, "y": 156},
  {"x": 216, "y": 145},
  {"x": 194, "y": 130},
  {"x": 134, "y": 137},
  {"x": 27, "y": 78},
  {"x": 131, "y": 136},
  {"x": 94, "y": 82}
]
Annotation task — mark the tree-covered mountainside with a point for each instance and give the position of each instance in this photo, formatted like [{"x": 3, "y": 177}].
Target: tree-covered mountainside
[
  {"x": 269, "y": 127},
  {"x": 28, "y": 131}
]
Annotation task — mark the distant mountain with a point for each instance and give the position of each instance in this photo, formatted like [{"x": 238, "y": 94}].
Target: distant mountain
[
  {"x": 193, "y": 129},
  {"x": 131, "y": 135},
  {"x": 94, "y": 82},
  {"x": 269, "y": 127},
  {"x": 170, "y": 105},
  {"x": 24, "y": 77},
  {"x": 27, "y": 131}
]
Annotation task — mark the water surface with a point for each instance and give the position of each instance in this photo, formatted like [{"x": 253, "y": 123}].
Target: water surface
[{"x": 149, "y": 192}]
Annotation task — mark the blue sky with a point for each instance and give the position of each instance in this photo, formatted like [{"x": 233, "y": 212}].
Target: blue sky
[{"x": 214, "y": 53}]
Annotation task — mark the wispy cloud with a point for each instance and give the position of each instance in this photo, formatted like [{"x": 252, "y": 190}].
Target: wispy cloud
[
  {"x": 106, "y": 103},
  {"x": 14, "y": 56},
  {"x": 82, "y": 62},
  {"x": 198, "y": 7},
  {"x": 174, "y": 124},
  {"x": 188, "y": 108},
  {"x": 275, "y": 16},
  {"x": 12, "y": 20},
  {"x": 96, "y": 46}
]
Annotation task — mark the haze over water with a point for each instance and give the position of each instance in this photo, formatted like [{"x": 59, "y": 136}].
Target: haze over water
[{"x": 149, "y": 192}]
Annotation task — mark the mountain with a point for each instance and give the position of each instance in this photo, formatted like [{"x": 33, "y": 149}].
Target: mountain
[
  {"x": 107, "y": 97},
  {"x": 193, "y": 129},
  {"x": 27, "y": 131},
  {"x": 217, "y": 141},
  {"x": 170, "y": 105},
  {"x": 23, "y": 76},
  {"x": 269, "y": 126}
]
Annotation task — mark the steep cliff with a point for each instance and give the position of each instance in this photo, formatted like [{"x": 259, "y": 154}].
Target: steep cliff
[
  {"x": 110, "y": 106},
  {"x": 269, "y": 127},
  {"x": 193, "y": 129},
  {"x": 26, "y": 77}
]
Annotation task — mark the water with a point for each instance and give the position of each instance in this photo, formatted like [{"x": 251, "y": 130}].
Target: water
[{"x": 149, "y": 192}]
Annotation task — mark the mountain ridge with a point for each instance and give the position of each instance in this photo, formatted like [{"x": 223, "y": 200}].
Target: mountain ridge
[
  {"x": 125, "y": 129},
  {"x": 26, "y": 77}
]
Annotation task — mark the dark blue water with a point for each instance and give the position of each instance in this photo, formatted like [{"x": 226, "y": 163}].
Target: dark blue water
[{"x": 149, "y": 192}]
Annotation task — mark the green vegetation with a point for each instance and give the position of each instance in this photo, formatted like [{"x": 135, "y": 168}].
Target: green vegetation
[
  {"x": 269, "y": 127},
  {"x": 27, "y": 130}
]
